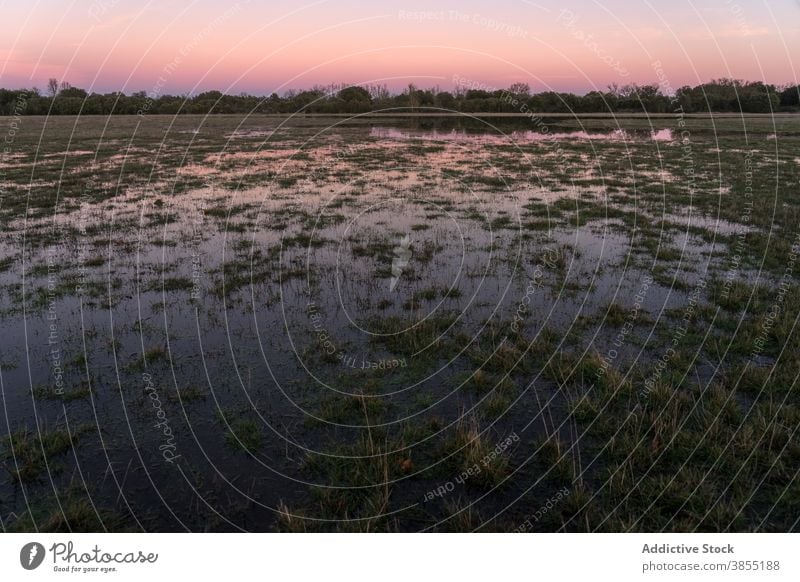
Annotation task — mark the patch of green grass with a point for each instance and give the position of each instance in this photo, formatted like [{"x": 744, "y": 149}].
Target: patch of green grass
[
  {"x": 72, "y": 512},
  {"x": 26, "y": 454},
  {"x": 362, "y": 473},
  {"x": 244, "y": 434},
  {"x": 406, "y": 336},
  {"x": 614, "y": 315},
  {"x": 170, "y": 284},
  {"x": 66, "y": 394},
  {"x": 470, "y": 448},
  {"x": 188, "y": 394}
]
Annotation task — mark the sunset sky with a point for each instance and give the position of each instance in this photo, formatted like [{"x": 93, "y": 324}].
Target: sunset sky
[{"x": 261, "y": 46}]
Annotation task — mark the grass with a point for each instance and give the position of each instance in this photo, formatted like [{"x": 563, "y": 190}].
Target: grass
[
  {"x": 470, "y": 447},
  {"x": 189, "y": 393},
  {"x": 615, "y": 315},
  {"x": 65, "y": 394},
  {"x": 347, "y": 409},
  {"x": 708, "y": 446},
  {"x": 170, "y": 284},
  {"x": 406, "y": 336},
  {"x": 26, "y": 454},
  {"x": 244, "y": 434},
  {"x": 361, "y": 473},
  {"x": 73, "y": 512}
]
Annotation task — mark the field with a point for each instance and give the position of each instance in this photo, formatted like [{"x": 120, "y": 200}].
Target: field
[{"x": 415, "y": 323}]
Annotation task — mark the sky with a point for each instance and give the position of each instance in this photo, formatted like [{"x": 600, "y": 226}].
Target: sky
[{"x": 266, "y": 46}]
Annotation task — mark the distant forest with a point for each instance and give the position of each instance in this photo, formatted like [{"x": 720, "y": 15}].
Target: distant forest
[{"x": 723, "y": 95}]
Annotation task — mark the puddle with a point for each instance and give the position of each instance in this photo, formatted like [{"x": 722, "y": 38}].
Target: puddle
[{"x": 520, "y": 137}]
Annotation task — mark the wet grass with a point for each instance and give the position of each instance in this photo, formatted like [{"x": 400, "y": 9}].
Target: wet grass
[
  {"x": 27, "y": 454},
  {"x": 512, "y": 304}
]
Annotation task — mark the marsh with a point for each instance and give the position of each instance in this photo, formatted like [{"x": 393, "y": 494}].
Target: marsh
[{"x": 309, "y": 324}]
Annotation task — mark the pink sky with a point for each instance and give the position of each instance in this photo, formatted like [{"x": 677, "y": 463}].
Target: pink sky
[{"x": 261, "y": 47}]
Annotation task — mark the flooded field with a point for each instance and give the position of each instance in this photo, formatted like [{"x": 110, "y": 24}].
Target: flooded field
[{"x": 306, "y": 324}]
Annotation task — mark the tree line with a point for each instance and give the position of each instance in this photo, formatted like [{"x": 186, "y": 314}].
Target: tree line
[{"x": 721, "y": 95}]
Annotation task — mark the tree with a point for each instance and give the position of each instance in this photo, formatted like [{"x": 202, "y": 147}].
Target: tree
[
  {"x": 379, "y": 92},
  {"x": 412, "y": 93},
  {"x": 477, "y": 94},
  {"x": 790, "y": 96},
  {"x": 354, "y": 94},
  {"x": 73, "y": 92},
  {"x": 719, "y": 95},
  {"x": 521, "y": 89},
  {"x": 445, "y": 100},
  {"x": 356, "y": 99},
  {"x": 309, "y": 101}
]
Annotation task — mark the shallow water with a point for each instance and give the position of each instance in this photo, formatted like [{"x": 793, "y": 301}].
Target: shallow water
[
  {"x": 522, "y": 137},
  {"x": 265, "y": 288}
]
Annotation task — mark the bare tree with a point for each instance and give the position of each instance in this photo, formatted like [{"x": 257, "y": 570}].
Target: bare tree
[
  {"x": 520, "y": 89},
  {"x": 378, "y": 92},
  {"x": 52, "y": 87},
  {"x": 412, "y": 96}
]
